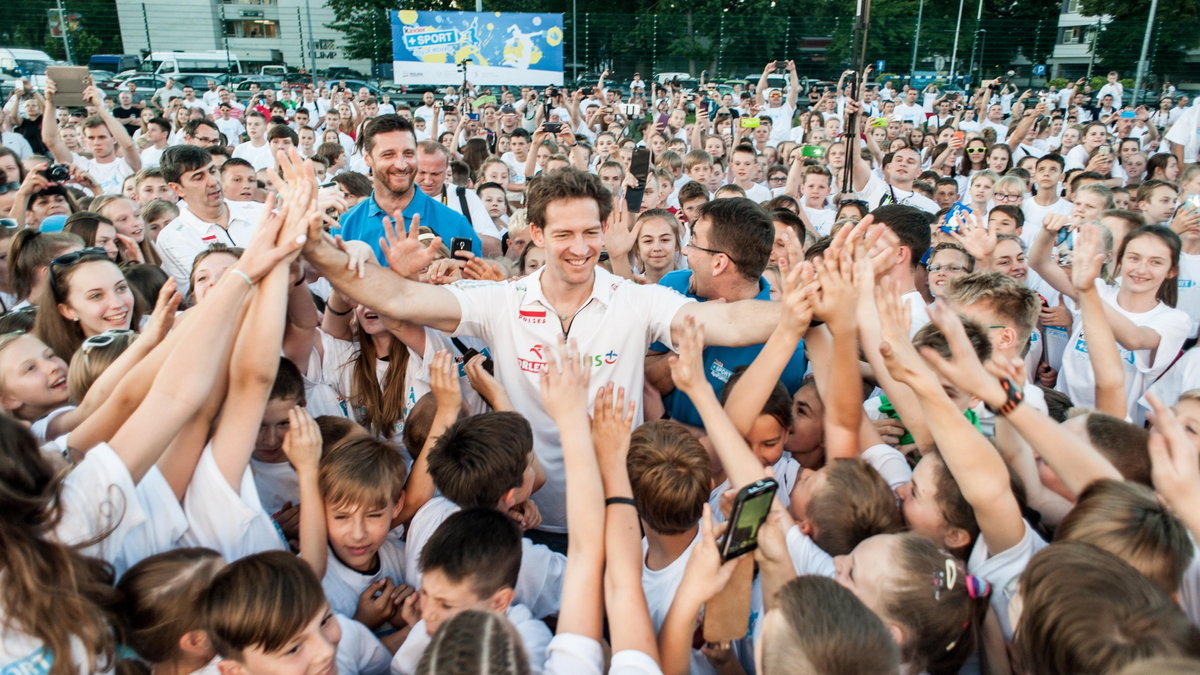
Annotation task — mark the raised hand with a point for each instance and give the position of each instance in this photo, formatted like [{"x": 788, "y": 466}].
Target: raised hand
[
  {"x": 1088, "y": 258},
  {"x": 687, "y": 367},
  {"x": 163, "y": 316},
  {"x": 1174, "y": 461},
  {"x": 963, "y": 368},
  {"x": 977, "y": 239},
  {"x": 612, "y": 420},
  {"x": 302, "y": 443},
  {"x": 903, "y": 362},
  {"x": 404, "y": 251},
  {"x": 564, "y": 382},
  {"x": 443, "y": 381},
  {"x": 264, "y": 252}
]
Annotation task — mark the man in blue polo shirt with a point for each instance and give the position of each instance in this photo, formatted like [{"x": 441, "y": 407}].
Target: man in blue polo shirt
[
  {"x": 390, "y": 144},
  {"x": 729, "y": 249}
]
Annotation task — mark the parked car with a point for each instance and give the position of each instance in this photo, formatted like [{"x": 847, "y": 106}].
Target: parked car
[{"x": 146, "y": 84}]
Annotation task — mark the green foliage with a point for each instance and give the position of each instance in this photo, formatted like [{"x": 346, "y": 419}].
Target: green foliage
[
  {"x": 1058, "y": 82},
  {"x": 1119, "y": 46}
]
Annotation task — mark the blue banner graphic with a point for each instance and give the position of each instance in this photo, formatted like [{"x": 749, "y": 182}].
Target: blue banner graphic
[{"x": 497, "y": 48}]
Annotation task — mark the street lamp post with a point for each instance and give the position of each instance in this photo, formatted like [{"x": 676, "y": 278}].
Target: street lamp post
[
  {"x": 954, "y": 51},
  {"x": 917, "y": 37}
]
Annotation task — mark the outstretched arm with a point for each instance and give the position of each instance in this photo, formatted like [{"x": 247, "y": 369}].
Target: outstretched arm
[{"x": 382, "y": 289}]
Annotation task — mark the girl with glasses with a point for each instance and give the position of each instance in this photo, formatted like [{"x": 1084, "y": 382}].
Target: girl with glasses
[{"x": 974, "y": 157}]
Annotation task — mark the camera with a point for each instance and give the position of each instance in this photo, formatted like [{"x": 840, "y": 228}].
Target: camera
[{"x": 56, "y": 173}]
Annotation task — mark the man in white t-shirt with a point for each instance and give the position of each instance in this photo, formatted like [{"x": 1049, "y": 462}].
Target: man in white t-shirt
[
  {"x": 612, "y": 319},
  {"x": 743, "y": 163},
  {"x": 1047, "y": 173},
  {"x": 114, "y": 156},
  {"x": 157, "y": 131},
  {"x": 257, "y": 150},
  {"x": 900, "y": 169},
  {"x": 1184, "y": 135},
  {"x": 995, "y": 121},
  {"x": 773, "y": 104},
  {"x": 1113, "y": 88},
  {"x": 910, "y": 110},
  {"x": 911, "y": 227}
]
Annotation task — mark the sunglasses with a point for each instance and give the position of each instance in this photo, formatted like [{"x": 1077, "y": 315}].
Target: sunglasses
[
  {"x": 102, "y": 340},
  {"x": 75, "y": 257},
  {"x": 976, "y": 151}
]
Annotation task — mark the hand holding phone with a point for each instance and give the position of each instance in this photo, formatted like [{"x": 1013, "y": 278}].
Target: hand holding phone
[
  {"x": 751, "y": 507},
  {"x": 459, "y": 245}
]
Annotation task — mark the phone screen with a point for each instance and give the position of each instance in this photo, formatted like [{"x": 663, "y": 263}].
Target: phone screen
[{"x": 750, "y": 510}]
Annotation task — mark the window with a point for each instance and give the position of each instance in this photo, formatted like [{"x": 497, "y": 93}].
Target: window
[
  {"x": 271, "y": 2},
  {"x": 1072, "y": 6},
  {"x": 252, "y": 28},
  {"x": 1071, "y": 36}
]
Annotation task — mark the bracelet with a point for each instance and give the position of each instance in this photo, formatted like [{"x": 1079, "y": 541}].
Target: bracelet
[
  {"x": 329, "y": 308},
  {"x": 243, "y": 275},
  {"x": 1013, "y": 397},
  {"x": 620, "y": 500}
]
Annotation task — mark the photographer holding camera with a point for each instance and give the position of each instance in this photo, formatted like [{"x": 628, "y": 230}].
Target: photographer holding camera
[{"x": 114, "y": 156}]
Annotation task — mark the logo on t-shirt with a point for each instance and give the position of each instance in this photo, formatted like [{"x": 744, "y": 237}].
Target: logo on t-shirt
[
  {"x": 533, "y": 316},
  {"x": 536, "y": 362}
]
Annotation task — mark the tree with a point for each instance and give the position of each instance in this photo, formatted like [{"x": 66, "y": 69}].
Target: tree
[{"x": 1120, "y": 45}]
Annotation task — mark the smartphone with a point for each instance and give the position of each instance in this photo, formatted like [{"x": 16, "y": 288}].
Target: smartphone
[
  {"x": 639, "y": 166},
  {"x": 1128, "y": 114},
  {"x": 959, "y": 136},
  {"x": 70, "y": 81},
  {"x": 552, "y": 127},
  {"x": 750, "y": 122},
  {"x": 780, "y": 65},
  {"x": 816, "y": 151},
  {"x": 474, "y": 117},
  {"x": 458, "y": 244},
  {"x": 751, "y": 507},
  {"x": 1104, "y": 151}
]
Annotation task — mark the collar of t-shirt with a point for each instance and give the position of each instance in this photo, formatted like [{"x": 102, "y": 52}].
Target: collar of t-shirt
[{"x": 604, "y": 284}]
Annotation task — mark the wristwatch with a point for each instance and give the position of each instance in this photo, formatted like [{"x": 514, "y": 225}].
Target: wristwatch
[{"x": 1014, "y": 395}]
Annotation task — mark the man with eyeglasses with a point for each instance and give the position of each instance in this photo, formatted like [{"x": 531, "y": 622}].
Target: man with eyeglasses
[{"x": 729, "y": 249}]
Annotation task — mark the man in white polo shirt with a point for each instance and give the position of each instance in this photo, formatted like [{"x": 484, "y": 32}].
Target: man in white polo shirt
[
  {"x": 612, "y": 320},
  {"x": 205, "y": 216}
]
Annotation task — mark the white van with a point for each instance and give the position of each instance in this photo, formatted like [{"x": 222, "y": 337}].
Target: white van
[
  {"x": 30, "y": 63},
  {"x": 173, "y": 64}
]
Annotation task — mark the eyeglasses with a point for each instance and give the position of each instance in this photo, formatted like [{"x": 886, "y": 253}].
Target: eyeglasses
[
  {"x": 711, "y": 251},
  {"x": 976, "y": 151},
  {"x": 948, "y": 269},
  {"x": 1004, "y": 197}
]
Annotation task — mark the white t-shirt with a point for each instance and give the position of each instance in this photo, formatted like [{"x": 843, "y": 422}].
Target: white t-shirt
[
  {"x": 152, "y": 156},
  {"x": 343, "y": 585},
  {"x": 660, "y": 586},
  {"x": 758, "y": 193},
  {"x": 1189, "y": 289},
  {"x": 1035, "y": 213},
  {"x": 781, "y": 120},
  {"x": 1077, "y": 158},
  {"x": 162, "y": 531},
  {"x": 188, "y": 236},
  {"x": 534, "y": 635},
  {"x": 1141, "y": 367},
  {"x": 539, "y": 581},
  {"x": 876, "y": 189},
  {"x": 277, "y": 484},
  {"x": 917, "y": 311},
  {"x": 1186, "y": 132},
  {"x": 480, "y": 220},
  {"x": 807, "y": 557},
  {"x": 233, "y": 523},
  {"x": 910, "y": 113},
  {"x": 259, "y": 156},
  {"x": 820, "y": 219},
  {"x": 359, "y": 652},
  {"x": 614, "y": 327},
  {"x": 998, "y": 569},
  {"x": 232, "y": 128},
  {"x": 570, "y": 654},
  {"x": 1178, "y": 378},
  {"x": 108, "y": 175},
  {"x": 890, "y": 463}
]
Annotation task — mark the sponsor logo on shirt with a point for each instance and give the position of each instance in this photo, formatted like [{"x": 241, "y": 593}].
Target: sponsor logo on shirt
[
  {"x": 604, "y": 359},
  {"x": 1187, "y": 283},
  {"x": 536, "y": 361},
  {"x": 40, "y": 661},
  {"x": 719, "y": 371},
  {"x": 211, "y": 237},
  {"x": 533, "y": 316},
  {"x": 1081, "y": 346}
]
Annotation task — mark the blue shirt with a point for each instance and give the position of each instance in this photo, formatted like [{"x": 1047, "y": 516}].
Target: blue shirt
[
  {"x": 364, "y": 223},
  {"x": 720, "y": 362}
]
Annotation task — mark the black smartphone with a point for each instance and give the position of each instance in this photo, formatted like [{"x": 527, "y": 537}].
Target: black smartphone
[
  {"x": 750, "y": 509},
  {"x": 639, "y": 166},
  {"x": 552, "y": 127},
  {"x": 458, "y": 244},
  {"x": 780, "y": 65}
]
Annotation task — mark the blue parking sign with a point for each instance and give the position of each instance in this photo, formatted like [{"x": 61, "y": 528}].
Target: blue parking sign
[
  {"x": 1039, "y": 69},
  {"x": 880, "y": 66}
]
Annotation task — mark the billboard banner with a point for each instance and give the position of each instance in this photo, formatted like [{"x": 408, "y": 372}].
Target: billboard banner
[{"x": 503, "y": 47}]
